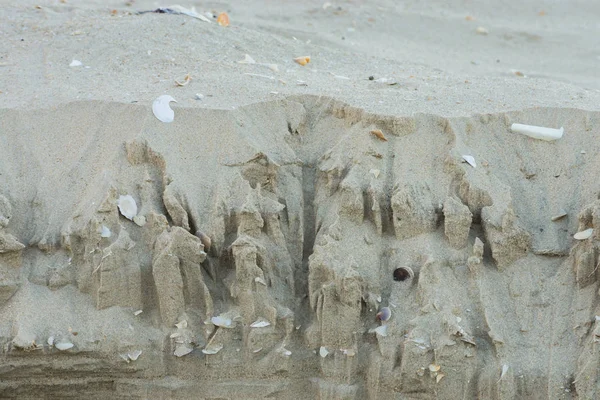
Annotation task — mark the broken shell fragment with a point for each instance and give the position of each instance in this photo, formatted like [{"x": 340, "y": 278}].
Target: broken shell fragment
[
  {"x": 261, "y": 323},
  {"x": 584, "y": 234},
  {"x": 162, "y": 110},
  {"x": 470, "y": 160},
  {"x": 247, "y": 60},
  {"x": 134, "y": 355},
  {"x": 439, "y": 377},
  {"x": 139, "y": 220},
  {"x": 127, "y": 206},
  {"x": 302, "y": 60},
  {"x": 260, "y": 280},
  {"x": 185, "y": 81},
  {"x": 221, "y": 322},
  {"x": 384, "y": 314},
  {"x": 138, "y": 312},
  {"x": 223, "y": 19},
  {"x": 403, "y": 273},
  {"x": 378, "y": 134},
  {"x": 212, "y": 349},
  {"x": 481, "y": 30},
  {"x": 64, "y": 346},
  {"x": 434, "y": 367},
  {"x": 182, "y": 324},
  {"x": 51, "y": 341},
  {"x": 381, "y": 330},
  {"x": 561, "y": 214},
  {"x": 323, "y": 352},
  {"x": 375, "y": 173},
  {"x": 537, "y": 132},
  {"x": 182, "y": 350},
  {"x": 104, "y": 232}
]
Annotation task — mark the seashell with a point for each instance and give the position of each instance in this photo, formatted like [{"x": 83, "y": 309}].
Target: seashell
[
  {"x": 138, "y": 312},
  {"x": 134, "y": 355},
  {"x": 64, "y": 346},
  {"x": 504, "y": 371},
  {"x": 182, "y": 324},
  {"x": 186, "y": 80},
  {"x": 302, "y": 60},
  {"x": 538, "y": 132},
  {"x": 470, "y": 160},
  {"x": 205, "y": 240},
  {"x": 375, "y": 173},
  {"x": 221, "y": 322},
  {"x": 378, "y": 134},
  {"x": 260, "y": 280},
  {"x": 182, "y": 350},
  {"x": 175, "y": 335},
  {"x": 284, "y": 351},
  {"x": 139, "y": 220},
  {"x": 481, "y": 30},
  {"x": 223, "y": 19},
  {"x": 213, "y": 349},
  {"x": 439, "y": 377},
  {"x": 349, "y": 352},
  {"x": 257, "y": 350},
  {"x": 247, "y": 60},
  {"x": 323, "y": 352},
  {"x": 104, "y": 232},
  {"x": 561, "y": 214},
  {"x": 261, "y": 323},
  {"x": 75, "y": 63},
  {"x": 381, "y": 330},
  {"x": 434, "y": 367},
  {"x": 162, "y": 110},
  {"x": 384, "y": 314},
  {"x": 127, "y": 206},
  {"x": 51, "y": 341},
  {"x": 403, "y": 273},
  {"x": 125, "y": 357},
  {"x": 584, "y": 234}
]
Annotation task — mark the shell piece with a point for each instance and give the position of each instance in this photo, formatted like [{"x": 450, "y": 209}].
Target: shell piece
[
  {"x": 212, "y": 349},
  {"x": 127, "y": 206},
  {"x": 162, "y": 110},
  {"x": 434, "y": 367},
  {"x": 139, "y": 220},
  {"x": 75, "y": 63},
  {"x": 134, "y": 355},
  {"x": 186, "y": 80},
  {"x": 481, "y": 30},
  {"x": 323, "y": 352},
  {"x": 403, "y": 273},
  {"x": 221, "y": 322},
  {"x": 182, "y": 324},
  {"x": 260, "y": 280},
  {"x": 284, "y": 351},
  {"x": 375, "y": 172},
  {"x": 584, "y": 234},
  {"x": 247, "y": 60},
  {"x": 182, "y": 350},
  {"x": 105, "y": 232},
  {"x": 302, "y": 60},
  {"x": 470, "y": 160},
  {"x": 381, "y": 330},
  {"x": 261, "y": 323},
  {"x": 51, "y": 341},
  {"x": 504, "y": 371},
  {"x": 538, "y": 132},
  {"x": 64, "y": 346},
  {"x": 223, "y": 19},
  {"x": 349, "y": 352},
  {"x": 439, "y": 377},
  {"x": 561, "y": 214},
  {"x": 378, "y": 134},
  {"x": 138, "y": 312},
  {"x": 384, "y": 314}
]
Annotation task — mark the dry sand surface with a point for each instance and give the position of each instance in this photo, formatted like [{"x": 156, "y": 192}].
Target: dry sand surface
[{"x": 299, "y": 231}]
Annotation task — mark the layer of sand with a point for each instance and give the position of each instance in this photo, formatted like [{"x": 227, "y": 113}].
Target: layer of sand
[{"x": 308, "y": 213}]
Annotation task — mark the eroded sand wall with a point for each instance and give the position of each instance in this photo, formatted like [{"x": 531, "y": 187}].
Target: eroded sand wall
[{"x": 292, "y": 213}]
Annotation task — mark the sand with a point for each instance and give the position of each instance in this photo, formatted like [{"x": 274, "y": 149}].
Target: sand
[{"x": 271, "y": 220}]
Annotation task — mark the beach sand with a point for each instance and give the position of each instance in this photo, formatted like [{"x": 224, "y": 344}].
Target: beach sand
[{"x": 273, "y": 213}]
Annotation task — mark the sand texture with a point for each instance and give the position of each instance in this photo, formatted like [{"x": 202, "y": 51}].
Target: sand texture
[{"x": 244, "y": 250}]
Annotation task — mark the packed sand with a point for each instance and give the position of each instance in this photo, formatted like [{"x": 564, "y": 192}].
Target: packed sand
[{"x": 299, "y": 231}]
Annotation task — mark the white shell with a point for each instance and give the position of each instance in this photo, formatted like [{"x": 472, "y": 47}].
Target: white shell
[
  {"x": 134, "y": 355},
  {"x": 260, "y": 280},
  {"x": 349, "y": 352},
  {"x": 504, "y": 371},
  {"x": 381, "y": 330},
  {"x": 538, "y": 132},
  {"x": 127, "y": 206},
  {"x": 104, "y": 232},
  {"x": 138, "y": 312},
  {"x": 162, "y": 110},
  {"x": 470, "y": 160},
  {"x": 247, "y": 60},
  {"x": 64, "y": 345},
  {"x": 182, "y": 324},
  {"x": 139, "y": 220},
  {"x": 175, "y": 335},
  {"x": 284, "y": 351},
  {"x": 221, "y": 321},
  {"x": 75, "y": 63},
  {"x": 584, "y": 234},
  {"x": 561, "y": 214},
  {"x": 51, "y": 341},
  {"x": 375, "y": 172},
  {"x": 261, "y": 323},
  {"x": 212, "y": 349},
  {"x": 182, "y": 350},
  {"x": 323, "y": 352}
]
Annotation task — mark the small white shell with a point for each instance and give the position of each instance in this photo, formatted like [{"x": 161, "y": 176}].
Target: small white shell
[
  {"x": 504, "y": 371},
  {"x": 384, "y": 314},
  {"x": 182, "y": 324},
  {"x": 214, "y": 349},
  {"x": 162, "y": 110},
  {"x": 260, "y": 280},
  {"x": 434, "y": 367},
  {"x": 375, "y": 172},
  {"x": 105, "y": 232},
  {"x": 584, "y": 234},
  {"x": 139, "y": 220},
  {"x": 561, "y": 214},
  {"x": 221, "y": 322},
  {"x": 138, "y": 312},
  {"x": 247, "y": 60},
  {"x": 261, "y": 323},
  {"x": 349, "y": 352},
  {"x": 470, "y": 160},
  {"x": 381, "y": 330},
  {"x": 127, "y": 206},
  {"x": 51, "y": 341},
  {"x": 284, "y": 351},
  {"x": 182, "y": 350},
  {"x": 64, "y": 345},
  {"x": 134, "y": 355},
  {"x": 75, "y": 63},
  {"x": 175, "y": 335},
  {"x": 323, "y": 352}
]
